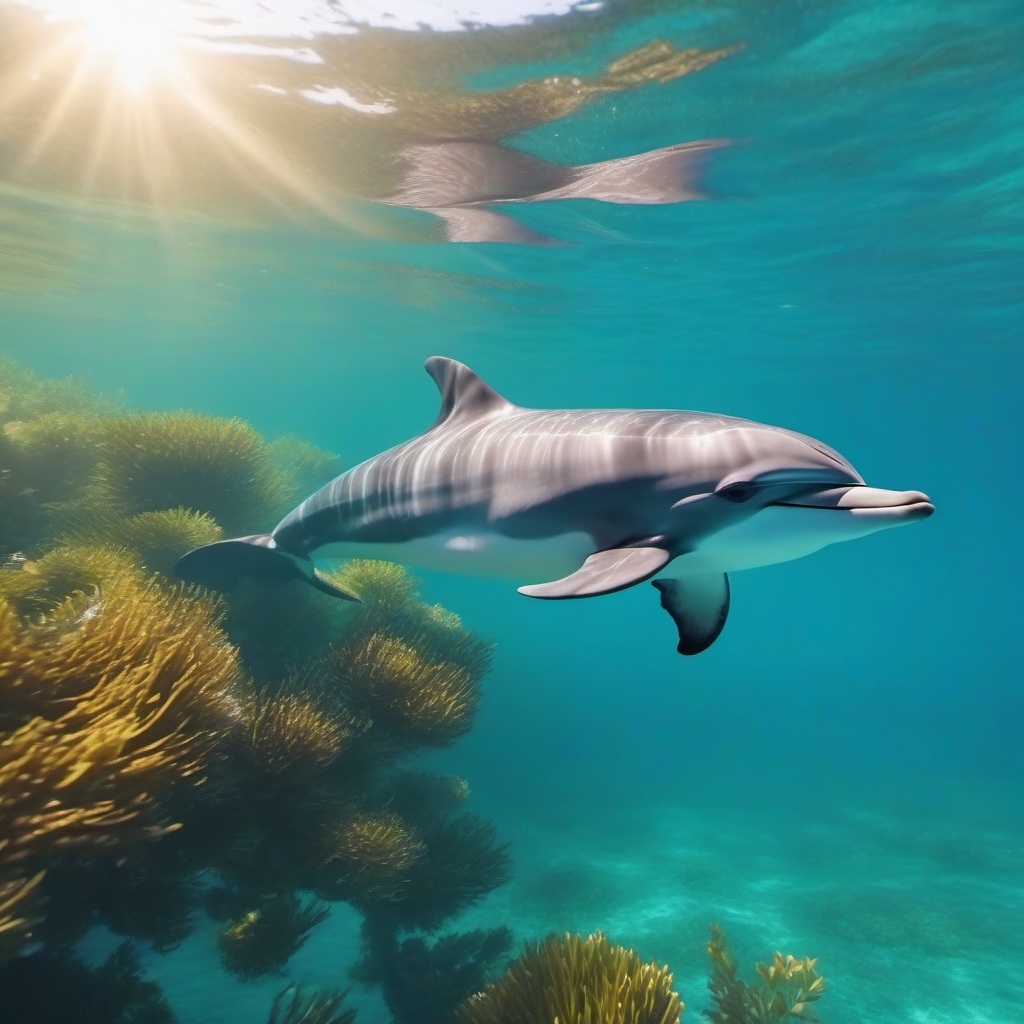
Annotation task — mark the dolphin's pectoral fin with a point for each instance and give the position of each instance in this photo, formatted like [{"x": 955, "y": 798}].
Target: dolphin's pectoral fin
[
  {"x": 225, "y": 563},
  {"x": 604, "y": 572},
  {"x": 699, "y": 606}
]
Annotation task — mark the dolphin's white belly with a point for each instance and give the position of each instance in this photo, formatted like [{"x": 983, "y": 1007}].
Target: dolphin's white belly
[
  {"x": 775, "y": 534},
  {"x": 778, "y": 533},
  {"x": 477, "y": 553}
]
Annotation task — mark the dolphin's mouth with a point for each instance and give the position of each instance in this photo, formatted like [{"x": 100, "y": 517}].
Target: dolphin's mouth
[{"x": 861, "y": 500}]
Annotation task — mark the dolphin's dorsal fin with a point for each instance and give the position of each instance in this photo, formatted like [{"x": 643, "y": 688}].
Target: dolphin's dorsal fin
[{"x": 464, "y": 396}]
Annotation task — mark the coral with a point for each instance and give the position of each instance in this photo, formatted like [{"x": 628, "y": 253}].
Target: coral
[
  {"x": 586, "y": 981},
  {"x": 376, "y": 853},
  {"x": 293, "y": 1006},
  {"x": 787, "y": 986},
  {"x": 58, "y": 988},
  {"x": 264, "y": 939},
  {"x": 154, "y": 461}
]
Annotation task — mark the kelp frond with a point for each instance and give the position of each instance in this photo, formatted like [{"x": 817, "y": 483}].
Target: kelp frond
[
  {"x": 57, "y": 449},
  {"x": 128, "y": 645},
  {"x": 294, "y": 1006},
  {"x": 585, "y": 981},
  {"x": 786, "y": 988},
  {"x": 463, "y": 862},
  {"x": 17, "y": 913},
  {"x": 24, "y": 396}
]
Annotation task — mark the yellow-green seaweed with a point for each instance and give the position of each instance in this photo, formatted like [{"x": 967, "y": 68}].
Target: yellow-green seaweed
[
  {"x": 786, "y": 988},
  {"x": 223, "y": 467},
  {"x": 585, "y": 981}
]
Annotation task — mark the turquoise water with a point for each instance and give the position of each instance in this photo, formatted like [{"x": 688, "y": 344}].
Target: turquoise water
[{"x": 840, "y": 775}]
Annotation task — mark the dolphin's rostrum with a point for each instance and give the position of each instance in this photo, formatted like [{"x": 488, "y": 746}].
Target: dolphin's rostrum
[{"x": 599, "y": 499}]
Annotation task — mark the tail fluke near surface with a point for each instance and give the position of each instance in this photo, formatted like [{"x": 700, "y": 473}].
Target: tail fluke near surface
[
  {"x": 226, "y": 563},
  {"x": 668, "y": 175},
  {"x": 453, "y": 180}
]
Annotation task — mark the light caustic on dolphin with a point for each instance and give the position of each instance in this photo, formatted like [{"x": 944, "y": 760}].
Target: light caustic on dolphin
[{"x": 597, "y": 499}]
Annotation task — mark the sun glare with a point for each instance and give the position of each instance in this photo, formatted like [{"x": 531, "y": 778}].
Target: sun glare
[{"x": 137, "y": 41}]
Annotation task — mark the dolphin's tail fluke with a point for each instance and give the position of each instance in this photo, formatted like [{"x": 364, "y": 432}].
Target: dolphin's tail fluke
[
  {"x": 455, "y": 180},
  {"x": 226, "y": 563},
  {"x": 668, "y": 175}
]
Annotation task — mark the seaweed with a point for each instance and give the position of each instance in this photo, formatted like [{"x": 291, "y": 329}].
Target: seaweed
[
  {"x": 59, "y": 987},
  {"x": 408, "y": 695},
  {"x": 263, "y": 939},
  {"x": 158, "y": 538},
  {"x": 787, "y": 985},
  {"x": 375, "y": 855},
  {"x": 587, "y": 981},
  {"x": 163, "y": 749},
  {"x": 154, "y": 461},
  {"x": 295, "y": 1006},
  {"x": 425, "y": 982}
]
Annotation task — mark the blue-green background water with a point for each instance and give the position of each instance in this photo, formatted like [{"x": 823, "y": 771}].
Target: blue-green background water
[{"x": 841, "y": 774}]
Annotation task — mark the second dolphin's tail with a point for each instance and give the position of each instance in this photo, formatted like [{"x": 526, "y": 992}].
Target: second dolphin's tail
[
  {"x": 671, "y": 174},
  {"x": 455, "y": 180},
  {"x": 226, "y": 563}
]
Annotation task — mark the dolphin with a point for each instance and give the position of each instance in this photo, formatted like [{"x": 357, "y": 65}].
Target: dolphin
[{"x": 587, "y": 501}]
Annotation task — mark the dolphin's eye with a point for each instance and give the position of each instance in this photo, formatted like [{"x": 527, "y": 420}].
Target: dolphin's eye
[{"x": 738, "y": 492}]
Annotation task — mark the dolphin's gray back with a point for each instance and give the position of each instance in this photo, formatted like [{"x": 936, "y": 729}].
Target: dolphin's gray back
[{"x": 523, "y": 472}]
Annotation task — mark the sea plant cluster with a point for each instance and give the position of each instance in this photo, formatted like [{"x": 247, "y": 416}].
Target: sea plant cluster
[
  {"x": 592, "y": 981},
  {"x": 166, "y": 752}
]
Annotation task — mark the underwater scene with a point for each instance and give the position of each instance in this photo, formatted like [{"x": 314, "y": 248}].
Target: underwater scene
[{"x": 450, "y": 460}]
